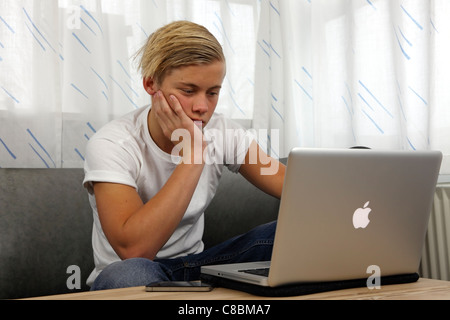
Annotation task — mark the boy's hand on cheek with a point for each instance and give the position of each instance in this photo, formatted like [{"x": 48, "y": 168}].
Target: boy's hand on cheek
[
  {"x": 170, "y": 114},
  {"x": 172, "y": 117}
]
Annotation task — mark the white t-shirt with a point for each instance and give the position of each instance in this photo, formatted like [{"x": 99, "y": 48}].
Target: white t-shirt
[{"x": 124, "y": 152}]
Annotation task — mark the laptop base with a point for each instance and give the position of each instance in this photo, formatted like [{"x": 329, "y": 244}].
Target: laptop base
[{"x": 303, "y": 288}]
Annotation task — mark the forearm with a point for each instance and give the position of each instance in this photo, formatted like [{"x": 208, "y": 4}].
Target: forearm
[
  {"x": 141, "y": 230},
  {"x": 271, "y": 184},
  {"x": 266, "y": 173}
]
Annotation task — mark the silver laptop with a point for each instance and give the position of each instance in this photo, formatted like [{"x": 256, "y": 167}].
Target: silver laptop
[{"x": 345, "y": 212}]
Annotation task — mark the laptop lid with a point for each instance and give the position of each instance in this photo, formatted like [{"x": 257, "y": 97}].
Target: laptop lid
[{"x": 344, "y": 211}]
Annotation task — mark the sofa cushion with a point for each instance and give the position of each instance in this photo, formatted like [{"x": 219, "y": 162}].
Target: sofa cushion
[{"x": 45, "y": 227}]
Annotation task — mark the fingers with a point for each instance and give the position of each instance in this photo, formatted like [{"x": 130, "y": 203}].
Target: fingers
[
  {"x": 168, "y": 107},
  {"x": 170, "y": 114},
  {"x": 176, "y": 107},
  {"x": 163, "y": 112}
]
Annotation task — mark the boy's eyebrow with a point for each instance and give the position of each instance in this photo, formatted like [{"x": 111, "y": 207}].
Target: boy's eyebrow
[{"x": 193, "y": 85}]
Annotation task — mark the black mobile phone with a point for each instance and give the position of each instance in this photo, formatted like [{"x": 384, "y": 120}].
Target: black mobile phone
[{"x": 180, "y": 286}]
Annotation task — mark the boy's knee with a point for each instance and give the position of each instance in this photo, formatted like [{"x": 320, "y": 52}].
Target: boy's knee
[{"x": 129, "y": 273}]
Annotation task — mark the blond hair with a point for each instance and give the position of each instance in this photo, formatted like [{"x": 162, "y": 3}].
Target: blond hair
[{"x": 180, "y": 43}]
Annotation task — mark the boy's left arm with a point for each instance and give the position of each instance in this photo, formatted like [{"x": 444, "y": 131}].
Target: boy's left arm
[{"x": 263, "y": 171}]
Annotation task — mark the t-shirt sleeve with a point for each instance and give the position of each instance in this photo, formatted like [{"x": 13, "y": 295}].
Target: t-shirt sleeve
[{"x": 109, "y": 161}]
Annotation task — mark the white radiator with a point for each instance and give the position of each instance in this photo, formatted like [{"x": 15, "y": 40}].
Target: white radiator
[{"x": 436, "y": 252}]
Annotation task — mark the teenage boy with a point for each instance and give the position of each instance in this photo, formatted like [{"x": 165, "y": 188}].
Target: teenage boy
[{"x": 147, "y": 175}]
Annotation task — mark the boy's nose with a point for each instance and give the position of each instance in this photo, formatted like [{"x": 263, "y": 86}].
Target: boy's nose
[{"x": 200, "y": 105}]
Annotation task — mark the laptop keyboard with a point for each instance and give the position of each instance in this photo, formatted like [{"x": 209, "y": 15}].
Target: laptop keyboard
[{"x": 260, "y": 272}]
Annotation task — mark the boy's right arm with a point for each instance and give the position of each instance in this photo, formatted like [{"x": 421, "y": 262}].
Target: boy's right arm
[{"x": 135, "y": 229}]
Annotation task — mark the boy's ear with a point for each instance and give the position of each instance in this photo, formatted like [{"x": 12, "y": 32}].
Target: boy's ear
[{"x": 150, "y": 86}]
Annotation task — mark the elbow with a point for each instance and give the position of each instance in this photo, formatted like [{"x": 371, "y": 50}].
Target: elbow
[{"x": 130, "y": 252}]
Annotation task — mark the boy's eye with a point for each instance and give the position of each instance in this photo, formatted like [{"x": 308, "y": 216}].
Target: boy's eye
[{"x": 193, "y": 91}]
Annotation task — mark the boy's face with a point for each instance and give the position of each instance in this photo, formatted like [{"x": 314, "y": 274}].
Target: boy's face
[{"x": 196, "y": 87}]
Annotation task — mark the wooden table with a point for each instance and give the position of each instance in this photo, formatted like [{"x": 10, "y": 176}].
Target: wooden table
[{"x": 423, "y": 289}]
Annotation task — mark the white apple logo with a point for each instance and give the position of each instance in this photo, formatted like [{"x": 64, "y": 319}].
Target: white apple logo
[{"x": 361, "y": 216}]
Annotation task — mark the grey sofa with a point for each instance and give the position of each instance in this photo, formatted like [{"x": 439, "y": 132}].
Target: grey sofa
[{"x": 46, "y": 224}]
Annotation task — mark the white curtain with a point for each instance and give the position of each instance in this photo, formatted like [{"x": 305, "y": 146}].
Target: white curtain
[
  {"x": 342, "y": 73},
  {"x": 303, "y": 73}
]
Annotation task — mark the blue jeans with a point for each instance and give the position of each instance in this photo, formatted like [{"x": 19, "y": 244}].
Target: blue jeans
[{"x": 255, "y": 245}]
